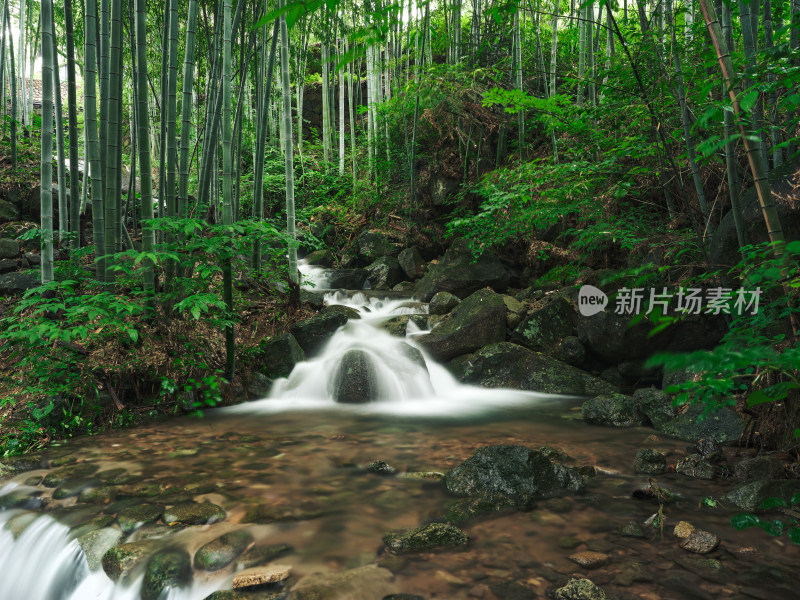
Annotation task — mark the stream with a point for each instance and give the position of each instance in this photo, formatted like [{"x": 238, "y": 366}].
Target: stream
[{"x": 291, "y": 471}]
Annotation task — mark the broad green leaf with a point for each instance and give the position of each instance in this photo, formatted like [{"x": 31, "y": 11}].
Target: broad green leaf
[
  {"x": 769, "y": 503},
  {"x": 774, "y": 528},
  {"x": 794, "y": 535},
  {"x": 745, "y": 520},
  {"x": 749, "y": 99}
]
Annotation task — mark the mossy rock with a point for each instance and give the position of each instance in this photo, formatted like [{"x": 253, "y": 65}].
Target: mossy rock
[
  {"x": 470, "y": 509},
  {"x": 222, "y": 551},
  {"x": 133, "y": 517},
  {"x": 120, "y": 560},
  {"x": 615, "y": 410},
  {"x": 193, "y": 513},
  {"x": 96, "y": 543},
  {"x": 435, "y": 536},
  {"x": 166, "y": 569}
]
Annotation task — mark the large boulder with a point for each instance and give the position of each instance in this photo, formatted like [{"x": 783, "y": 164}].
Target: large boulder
[
  {"x": 8, "y": 212},
  {"x": 384, "y": 273},
  {"x": 312, "y": 333},
  {"x": 277, "y": 356},
  {"x": 320, "y": 258},
  {"x": 655, "y": 404},
  {"x": 9, "y": 248},
  {"x": 749, "y": 496},
  {"x": 514, "y": 472},
  {"x": 506, "y": 365},
  {"x": 479, "y": 320},
  {"x": 725, "y": 243},
  {"x": 722, "y": 424},
  {"x": 16, "y": 283},
  {"x": 412, "y": 263},
  {"x": 544, "y": 330},
  {"x": 347, "y": 279},
  {"x": 373, "y": 244},
  {"x": 442, "y": 303},
  {"x": 616, "y": 410},
  {"x": 355, "y": 379},
  {"x": 461, "y": 275}
]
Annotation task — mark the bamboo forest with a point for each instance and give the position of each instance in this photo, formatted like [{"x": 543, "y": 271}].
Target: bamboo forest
[{"x": 399, "y": 299}]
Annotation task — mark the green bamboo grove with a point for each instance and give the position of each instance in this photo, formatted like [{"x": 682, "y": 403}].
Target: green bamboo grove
[{"x": 180, "y": 109}]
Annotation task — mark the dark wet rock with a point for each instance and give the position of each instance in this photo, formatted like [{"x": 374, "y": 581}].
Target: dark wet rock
[
  {"x": 506, "y": 365},
  {"x": 469, "y": 509},
  {"x": 193, "y": 513},
  {"x": 511, "y": 590},
  {"x": 589, "y": 559},
  {"x": 580, "y": 589},
  {"x": 610, "y": 336},
  {"x": 363, "y": 583},
  {"x": 384, "y": 273},
  {"x": 396, "y": 326},
  {"x": 655, "y": 404},
  {"x": 412, "y": 263},
  {"x": 460, "y": 275},
  {"x": 630, "y": 573},
  {"x": 402, "y": 597},
  {"x": 133, "y": 517},
  {"x": 259, "y": 555},
  {"x": 516, "y": 472},
  {"x": 320, "y": 258},
  {"x": 20, "y": 464},
  {"x": 479, "y": 320},
  {"x": 167, "y": 569},
  {"x": 33, "y": 480},
  {"x": 442, "y": 303},
  {"x": 696, "y": 466},
  {"x": 96, "y": 543},
  {"x": 724, "y": 425},
  {"x": 631, "y": 529},
  {"x": 120, "y": 560},
  {"x": 277, "y": 356},
  {"x": 749, "y": 496},
  {"x": 570, "y": 351},
  {"x": 222, "y": 551},
  {"x": 435, "y": 536},
  {"x": 346, "y": 279},
  {"x": 347, "y": 311},
  {"x": 616, "y": 410},
  {"x": 544, "y": 329},
  {"x": 8, "y": 212},
  {"x": 612, "y": 375},
  {"x": 413, "y": 354},
  {"x": 759, "y": 467},
  {"x": 16, "y": 283},
  {"x": 7, "y": 264},
  {"x": 98, "y": 494},
  {"x": 355, "y": 380},
  {"x": 73, "y": 487},
  {"x": 312, "y": 333},
  {"x": 259, "y": 385},
  {"x": 380, "y": 467},
  {"x": 700, "y": 542},
  {"x": 373, "y": 244},
  {"x": 237, "y": 595},
  {"x": 711, "y": 450},
  {"x": 8, "y": 248},
  {"x": 567, "y": 542},
  {"x": 649, "y": 462},
  {"x": 404, "y": 286}
]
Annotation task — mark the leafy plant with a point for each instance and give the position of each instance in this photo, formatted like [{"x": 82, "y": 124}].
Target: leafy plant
[{"x": 774, "y": 527}]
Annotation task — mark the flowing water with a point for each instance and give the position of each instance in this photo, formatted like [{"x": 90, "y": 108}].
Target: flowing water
[{"x": 290, "y": 469}]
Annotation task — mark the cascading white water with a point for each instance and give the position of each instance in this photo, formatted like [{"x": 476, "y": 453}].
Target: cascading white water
[
  {"x": 45, "y": 562},
  {"x": 402, "y": 385}
]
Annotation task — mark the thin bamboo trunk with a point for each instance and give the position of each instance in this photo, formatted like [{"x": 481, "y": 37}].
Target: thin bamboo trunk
[
  {"x": 72, "y": 108},
  {"x": 61, "y": 165},
  {"x": 186, "y": 109},
  {"x": 227, "y": 208},
  {"x": 294, "y": 277},
  {"x": 114, "y": 131},
  {"x": 47, "y": 141},
  {"x": 93, "y": 145}
]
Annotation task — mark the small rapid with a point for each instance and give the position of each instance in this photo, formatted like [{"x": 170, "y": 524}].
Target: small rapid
[{"x": 405, "y": 379}]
